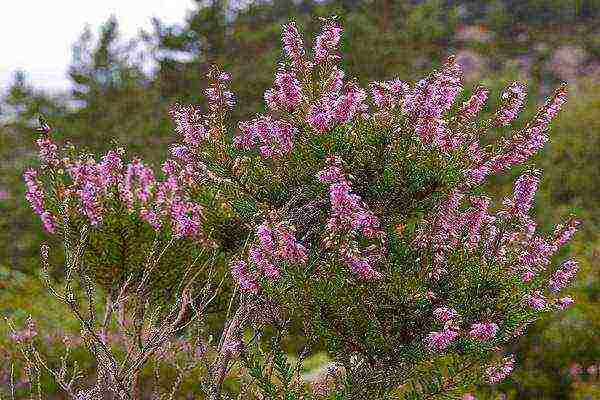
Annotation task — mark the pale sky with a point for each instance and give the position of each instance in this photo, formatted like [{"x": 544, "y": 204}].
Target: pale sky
[{"x": 37, "y": 35}]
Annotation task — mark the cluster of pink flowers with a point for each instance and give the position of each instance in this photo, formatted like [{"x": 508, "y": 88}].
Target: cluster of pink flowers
[
  {"x": 429, "y": 100},
  {"x": 294, "y": 49},
  {"x": 287, "y": 93},
  {"x": 565, "y": 302},
  {"x": 473, "y": 106},
  {"x": 524, "y": 191},
  {"x": 219, "y": 96},
  {"x": 449, "y": 227},
  {"x": 275, "y": 136},
  {"x": 95, "y": 183},
  {"x": 334, "y": 107},
  {"x": 327, "y": 42},
  {"x": 445, "y": 314},
  {"x": 189, "y": 124},
  {"x": 521, "y": 146},
  {"x": 528, "y": 141},
  {"x": 276, "y": 245},
  {"x": 349, "y": 217},
  {"x": 499, "y": 372},
  {"x": 563, "y": 276},
  {"x": 439, "y": 341},
  {"x": 484, "y": 331},
  {"x": 243, "y": 277},
  {"x": 48, "y": 151},
  {"x": 513, "y": 96},
  {"x": 35, "y": 196},
  {"x": 535, "y": 300}
]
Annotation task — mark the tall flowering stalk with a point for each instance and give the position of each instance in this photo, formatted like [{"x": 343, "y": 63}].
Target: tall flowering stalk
[{"x": 372, "y": 237}]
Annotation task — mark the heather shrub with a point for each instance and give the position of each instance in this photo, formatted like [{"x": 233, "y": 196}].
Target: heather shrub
[{"x": 355, "y": 216}]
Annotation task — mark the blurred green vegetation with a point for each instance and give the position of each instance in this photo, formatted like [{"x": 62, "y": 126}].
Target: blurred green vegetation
[{"x": 542, "y": 42}]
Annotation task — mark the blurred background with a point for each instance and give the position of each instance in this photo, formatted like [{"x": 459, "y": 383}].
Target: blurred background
[{"x": 115, "y": 82}]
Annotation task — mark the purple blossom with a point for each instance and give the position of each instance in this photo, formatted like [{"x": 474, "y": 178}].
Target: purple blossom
[
  {"x": 473, "y": 106},
  {"x": 523, "y": 194},
  {"x": 439, "y": 341},
  {"x": 483, "y": 331},
  {"x": 234, "y": 347},
  {"x": 347, "y": 105},
  {"x": 48, "y": 151},
  {"x": 499, "y": 372},
  {"x": 240, "y": 272},
  {"x": 294, "y": 48},
  {"x": 536, "y": 301},
  {"x": 186, "y": 218},
  {"x": 220, "y": 98},
  {"x": 320, "y": 117},
  {"x": 445, "y": 314},
  {"x": 526, "y": 142},
  {"x": 565, "y": 302},
  {"x": 564, "y": 233},
  {"x": 326, "y": 43},
  {"x": 35, "y": 196},
  {"x": 563, "y": 276},
  {"x": 429, "y": 100},
  {"x": 513, "y": 97},
  {"x": 275, "y": 136},
  {"x": 288, "y": 93},
  {"x": 349, "y": 216},
  {"x": 189, "y": 124}
]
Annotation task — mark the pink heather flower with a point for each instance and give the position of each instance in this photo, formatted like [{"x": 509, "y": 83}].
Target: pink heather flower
[
  {"x": 243, "y": 277},
  {"x": 35, "y": 196},
  {"x": 48, "y": 151},
  {"x": 350, "y": 216},
  {"x": 152, "y": 218},
  {"x": 189, "y": 124},
  {"x": 275, "y": 136},
  {"x": 288, "y": 93},
  {"x": 186, "y": 218},
  {"x": 445, "y": 314},
  {"x": 513, "y": 97},
  {"x": 476, "y": 217},
  {"x": 565, "y": 302},
  {"x": 346, "y": 106},
  {"x": 468, "y": 396},
  {"x": 219, "y": 97},
  {"x": 536, "y": 255},
  {"x": 535, "y": 301},
  {"x": 429, "y": 100},
  {"x": 89, "y": 195},
  {"x": 526, "y": 142},
  {"x": 320, "y": 117},
  {"x": 563, "y": 276},
  {"x": 110, "y": 169},
  {"x": 326, "y": 43},
  {"x": 439, "y": 341},
  {"x": 359, "y": 264},
  {"x": 294, "y": 48},
  {"x": 473, "y": 106},
  {"x": 387, "y": 95},
  {"x": 276, "y": 245},
  {"x": 523, "y": 194},
  {"x": 332, "y": 174},
  {"x": 234, "y": 347},
  {"x": 334, "y": 83},
  {"x": 483, "y": 331},
  {"x": 48, "y": 221},
  {"x": 499, "y": 372},
  {"x": 35, "y": 193},
  {"x": 564, "y": 233}
]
